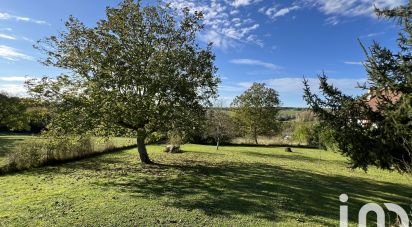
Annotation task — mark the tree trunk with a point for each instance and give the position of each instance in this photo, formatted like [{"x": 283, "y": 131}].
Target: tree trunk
[
  {"x": 141, "y": 148},
  {"x": 255, "y": 135},
  {"x": 217, "y": 143}
]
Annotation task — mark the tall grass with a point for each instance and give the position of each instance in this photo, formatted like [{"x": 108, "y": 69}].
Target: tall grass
[
  {"x": 39, "y": 152},
  {"x": 267, "y": 140}
]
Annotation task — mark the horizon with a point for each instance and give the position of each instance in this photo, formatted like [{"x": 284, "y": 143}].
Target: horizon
[{"x": 254, "y": 41}]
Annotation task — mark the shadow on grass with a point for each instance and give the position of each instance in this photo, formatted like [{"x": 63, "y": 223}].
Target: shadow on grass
[
  {"x": 270, "y": 145},
  {"x": 261, "y": 190},
  {"x": 295, "y": 156}
]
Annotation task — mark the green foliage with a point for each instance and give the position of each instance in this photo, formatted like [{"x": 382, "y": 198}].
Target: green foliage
[
  {"x": 256, "y": 110},
  {"x": 307, "y": 130},
  {"x": 22, "y": 115},
  {"x": 12, "y": 113},
  {"x": 325, "y": 138},
  {"x": 303, "y": 133},
  {"x": 140, "y": 69},
  {"x": 38, "y": 118},
  {"x": 289, "y": 113},
  {"x": 377, "y": 134},
  {"x": 176, "y": 138},
  {"x": 304, "y": 128}
]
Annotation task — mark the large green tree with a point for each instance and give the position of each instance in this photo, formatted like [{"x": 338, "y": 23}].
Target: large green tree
[
  {"x": 139, "y": 69},
  {"x": 377, "y": 132},
  {"x": 13, "y": 113},
  {"x": 256, "y": 109}
]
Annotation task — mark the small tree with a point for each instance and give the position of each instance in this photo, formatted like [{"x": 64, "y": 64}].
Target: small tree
[
  {"x": 140, "y": 69},
  {"x": 219, "y": 125},
  {"x": 378, "y": 134},
  {"x": 256, "y": 109}
]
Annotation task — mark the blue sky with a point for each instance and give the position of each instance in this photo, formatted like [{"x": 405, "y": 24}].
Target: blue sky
[{"x": 276, "y": 42}]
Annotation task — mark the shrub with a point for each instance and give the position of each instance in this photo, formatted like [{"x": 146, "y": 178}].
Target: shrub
[
  {"x": 175, "y": 138},
  {"x": 305, "y": 133}
]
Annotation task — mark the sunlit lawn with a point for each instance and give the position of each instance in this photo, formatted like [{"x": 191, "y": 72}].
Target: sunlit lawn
[{"x": 201, "y": 186}]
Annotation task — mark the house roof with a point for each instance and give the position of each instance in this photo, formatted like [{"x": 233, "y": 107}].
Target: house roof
[{"x": 374, "y": 98}]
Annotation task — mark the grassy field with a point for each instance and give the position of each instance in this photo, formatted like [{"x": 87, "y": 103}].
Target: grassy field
[{"x": 201, "y": 186}]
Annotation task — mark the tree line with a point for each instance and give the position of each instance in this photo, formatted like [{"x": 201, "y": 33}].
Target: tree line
[{"x": 22, "y": 115}]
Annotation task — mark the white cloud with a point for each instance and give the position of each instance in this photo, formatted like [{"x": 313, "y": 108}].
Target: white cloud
[
  {"x": 13, "y": 89},
  {"x": 295, "y": 84},
  {"x": 353, "y": 63},
  {"x": 285, "y": 11},
  {"x": 225, "y": 27},
  {"x": 14, "y": 78},
  {"x": 6, "y": 29},
  {"x": 6, "y": 16},
  {"x": 269, "y": 11},
  {"x": 246, "y": 61},
  {"x": 274, "y": 12},
  {"x": 5, "y": 36},
  {"x": 231, "y": 88},
  {"x": 239, "y": 3},
  {"x": 14, "y": 85},
  {"x": 333, "y": 20},
  {"x": 291, "y": 88},
  {"x": 12, "y": 54},
  {"x": 255, "y": 39},
  {"x": 370, "y": 35},
  {"x": 234, "y": 12},
  {"x": 27, "y": 39},
  {"x": 217, "y": 39},
  {"x": 352, "y": 8}
]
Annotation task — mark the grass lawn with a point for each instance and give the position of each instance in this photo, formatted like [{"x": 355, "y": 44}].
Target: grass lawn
[{"x": 230, "y": 187}]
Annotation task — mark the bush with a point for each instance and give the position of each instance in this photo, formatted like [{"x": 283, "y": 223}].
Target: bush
[
  {"x": 305, "y": 133},
  {"x": 175, "y": 138}
]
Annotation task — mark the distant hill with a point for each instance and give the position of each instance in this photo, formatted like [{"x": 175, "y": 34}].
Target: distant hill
[{"x": 285, "y": 113}]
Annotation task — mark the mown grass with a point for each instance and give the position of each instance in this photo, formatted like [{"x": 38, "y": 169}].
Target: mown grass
[{"x": 234, "y": 186}]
